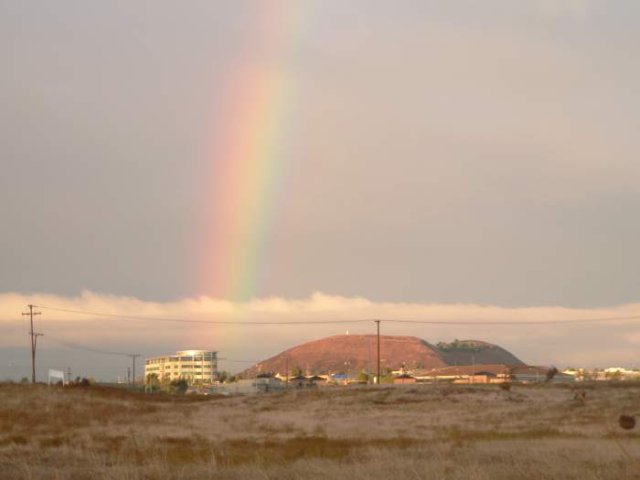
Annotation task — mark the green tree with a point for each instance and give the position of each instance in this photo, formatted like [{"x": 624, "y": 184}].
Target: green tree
[
  {"x": 153, "y": 382},
  {"x": 617, "y": 375},
  {"x": 552, "y": 372},
  {"x": 179, "y": 386},
  {"x": 387, "y": 379}
]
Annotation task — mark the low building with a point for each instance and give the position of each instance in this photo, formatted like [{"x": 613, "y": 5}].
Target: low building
[
  {"x": 195, "y": 366},
  {"x": 403, "y": 379},
  {"x": 268, "y": 383},
  {"x": 621, "y": 373},
  {"x": 249, "y": 386},
  {"x": 537, "y": 374},
  {"x": 488, "y": 373},
  {"x": 339, "y": 378},
  {"x": 246, "y": 386},
  {"x": 318, "y": 380},
  {"x": 299, "y": 382}
]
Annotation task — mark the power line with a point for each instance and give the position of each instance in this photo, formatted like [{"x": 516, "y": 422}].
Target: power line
[
  {"x": 212, "y": 322},
  {"x": 237, "y": 361},
  {"x": 77, "y": 346},
  {"x": 334, "y": 322},
  {"x": 525, "y": 322}
]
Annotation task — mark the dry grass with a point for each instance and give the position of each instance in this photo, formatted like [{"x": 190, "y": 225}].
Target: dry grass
[{"x": 420, "y": 431}]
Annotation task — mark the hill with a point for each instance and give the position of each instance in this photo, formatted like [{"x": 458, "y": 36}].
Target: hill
[
  {"x": 356, "y": 353},
  {"x": 468, "y": 352}
]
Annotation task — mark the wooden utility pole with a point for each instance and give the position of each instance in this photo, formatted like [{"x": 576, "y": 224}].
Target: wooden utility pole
[
  {"x": 34, "y": 341},
  {"x": 133, "y": 358},
  {"x": 378, "y": 334},
  {"x": 287, "y": 372}
]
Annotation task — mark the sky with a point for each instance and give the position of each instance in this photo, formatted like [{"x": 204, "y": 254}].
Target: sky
[{"x": 298, "y": 159}]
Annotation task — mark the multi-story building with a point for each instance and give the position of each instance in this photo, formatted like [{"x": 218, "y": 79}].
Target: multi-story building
[{"x": 195, "y": 366}]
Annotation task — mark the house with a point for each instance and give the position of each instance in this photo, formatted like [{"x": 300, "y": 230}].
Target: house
[
  {"x": 403, "y": 379},
  {"x": 339, "y": 378}
]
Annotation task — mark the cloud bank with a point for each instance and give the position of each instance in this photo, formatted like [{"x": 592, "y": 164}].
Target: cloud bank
[{"x": 66, "y": 334}]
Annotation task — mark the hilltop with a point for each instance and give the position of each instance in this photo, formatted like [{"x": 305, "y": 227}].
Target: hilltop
[{"x": 356, "y": 353}]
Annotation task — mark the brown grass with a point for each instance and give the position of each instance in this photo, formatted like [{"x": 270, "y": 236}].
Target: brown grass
[{"x": 418, "y": 431}]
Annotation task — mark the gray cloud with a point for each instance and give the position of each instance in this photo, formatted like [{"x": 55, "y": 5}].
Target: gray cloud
[{"x": 438, "y": 152}]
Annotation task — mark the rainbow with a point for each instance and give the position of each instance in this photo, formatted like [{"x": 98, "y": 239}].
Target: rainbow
[{"x": 248, "y": 160}]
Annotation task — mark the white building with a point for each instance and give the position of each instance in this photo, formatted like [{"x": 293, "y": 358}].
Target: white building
[{"x": 195, "y": 366}]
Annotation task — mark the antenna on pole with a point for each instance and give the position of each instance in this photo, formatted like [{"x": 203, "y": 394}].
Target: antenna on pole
[{"x": 34, "y": 340}]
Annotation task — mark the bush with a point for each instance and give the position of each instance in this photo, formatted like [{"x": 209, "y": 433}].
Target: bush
[{"x": 178, "y": 386}]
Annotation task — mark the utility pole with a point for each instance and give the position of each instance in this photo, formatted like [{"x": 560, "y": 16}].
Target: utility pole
[
  {"x": 34, "y": 341},
  {"x": 133, "y": 358},
  {"x": 378, "y": 334},
  {"x": 287, "y": 372},
  {"x": 473, "y": 367}
]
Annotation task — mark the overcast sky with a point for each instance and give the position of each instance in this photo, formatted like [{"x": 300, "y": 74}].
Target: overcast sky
[{"x": 455, "y": 152}]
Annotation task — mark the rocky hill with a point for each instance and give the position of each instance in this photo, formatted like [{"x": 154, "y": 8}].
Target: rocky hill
[
  {"x": 357, "y": 353},
  {"x": 468, "y": 352}
]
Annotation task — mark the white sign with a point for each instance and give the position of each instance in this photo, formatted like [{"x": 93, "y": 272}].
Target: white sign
[{"x": 56, "y": 375}]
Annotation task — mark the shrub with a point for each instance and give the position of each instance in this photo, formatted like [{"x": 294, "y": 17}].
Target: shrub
[{"x": 178, "y": 386}]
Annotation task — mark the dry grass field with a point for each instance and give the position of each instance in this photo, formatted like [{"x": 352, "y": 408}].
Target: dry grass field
[{"x": 402, "y": 432}]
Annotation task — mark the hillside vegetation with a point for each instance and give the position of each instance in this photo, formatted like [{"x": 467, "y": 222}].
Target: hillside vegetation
[
  {"x": 376, "y": 432},
  {"x": 469, "y": 352}
]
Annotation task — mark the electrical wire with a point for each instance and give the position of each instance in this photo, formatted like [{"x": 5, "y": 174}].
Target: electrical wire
[
  {"x": 237, "y": 361},
  {"x": 525, "y": 322},
  {"x": 212, "y": 322},
  {"x": 334, "y": 322},
  {"x": 77, "y": 346}
]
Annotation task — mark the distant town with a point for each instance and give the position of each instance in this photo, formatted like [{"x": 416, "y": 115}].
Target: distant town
[
  {"x": 221, "y": 382},
  {"x": 196, "y": 371}
]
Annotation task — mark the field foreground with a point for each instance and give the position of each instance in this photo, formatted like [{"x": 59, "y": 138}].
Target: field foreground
[{"x": 401, "y": 432}]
